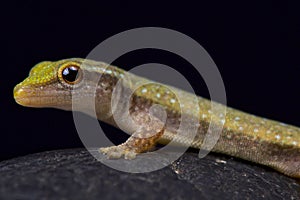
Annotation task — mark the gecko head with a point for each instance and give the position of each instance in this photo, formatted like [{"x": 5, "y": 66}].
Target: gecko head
[{"x": 55, "y": 84}]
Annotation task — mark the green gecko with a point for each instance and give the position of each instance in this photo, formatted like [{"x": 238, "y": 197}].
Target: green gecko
[{"x": 263, "y": 141}]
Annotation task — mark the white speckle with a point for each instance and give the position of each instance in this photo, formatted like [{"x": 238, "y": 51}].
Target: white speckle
[
  {"x": 241, "y": 128},
  {"x": 221, "y": 161},
  {"x": 158, "y": 95},
  {"x": 121, "y": 75},
  {"x": 277, "y": 137},
  {"x": 204, "y": 115},
  {"x": 103, "y": 84},
  {"x": 209, "y": 111},
  {"x": 283, "y": 124},
  {"x": 108, "y": 71},
  {"x": 144, "y": 90},
  {"x": 221, "y": 115},
  {"x": 237, "y": 118},
  {"x": 294, "y": 143},
  {"x": 228, "y": 136},
  {"x": 222, "y": 121},
  {"x": 255, "y": 130},
  {"x": 172, "y": 100}
]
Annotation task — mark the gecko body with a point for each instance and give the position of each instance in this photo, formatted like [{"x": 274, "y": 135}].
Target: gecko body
[{"x": 260, "y": 140}]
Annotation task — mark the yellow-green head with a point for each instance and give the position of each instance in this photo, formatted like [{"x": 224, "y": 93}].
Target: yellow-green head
[{"x": 52, "y": 84}]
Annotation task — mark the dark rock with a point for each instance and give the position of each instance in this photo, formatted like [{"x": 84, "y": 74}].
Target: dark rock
[{"x": 75, "y": 174}]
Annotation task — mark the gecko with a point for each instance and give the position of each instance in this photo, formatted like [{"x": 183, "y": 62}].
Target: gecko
[{"x": 246, "y": 136}]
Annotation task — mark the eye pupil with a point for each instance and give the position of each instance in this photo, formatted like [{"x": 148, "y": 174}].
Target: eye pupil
[{"x": 70, "y": 74}]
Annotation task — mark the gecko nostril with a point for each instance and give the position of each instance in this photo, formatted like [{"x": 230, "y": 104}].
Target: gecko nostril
[
  {"x": 22, "y": 92},
  {"x": 19, "y": 93}
]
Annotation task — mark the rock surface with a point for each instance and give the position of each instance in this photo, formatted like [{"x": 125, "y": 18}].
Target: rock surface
[{"x": 75, "y": 174}]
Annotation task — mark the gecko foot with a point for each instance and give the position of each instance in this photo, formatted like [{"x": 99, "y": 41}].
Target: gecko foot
[{"x": 115, "y": 152}]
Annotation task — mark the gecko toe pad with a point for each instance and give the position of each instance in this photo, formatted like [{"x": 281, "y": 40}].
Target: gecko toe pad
[{"x": 119, "y": 151}]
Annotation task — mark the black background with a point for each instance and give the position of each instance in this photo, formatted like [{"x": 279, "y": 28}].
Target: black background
[{"x": 255, "y": 45}]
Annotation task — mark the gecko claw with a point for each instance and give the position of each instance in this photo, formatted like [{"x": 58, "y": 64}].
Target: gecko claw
[{"x": 116, "y": 152}]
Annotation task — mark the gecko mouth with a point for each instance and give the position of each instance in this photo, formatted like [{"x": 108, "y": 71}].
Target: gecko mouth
[
  {"x": 31, "y": 98},
  {"x": 32, "y": 101},
  {"x": 41, "y": 102}
]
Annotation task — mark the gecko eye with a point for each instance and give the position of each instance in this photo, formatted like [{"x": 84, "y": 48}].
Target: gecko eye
[{"x": 71, "y": 74}]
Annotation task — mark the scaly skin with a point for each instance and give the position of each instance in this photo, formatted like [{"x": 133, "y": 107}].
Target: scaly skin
[{"x": 245, "y": 136}]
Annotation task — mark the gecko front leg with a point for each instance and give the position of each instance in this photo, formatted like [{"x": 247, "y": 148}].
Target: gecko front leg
[{"x": 143, "y": 139}]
